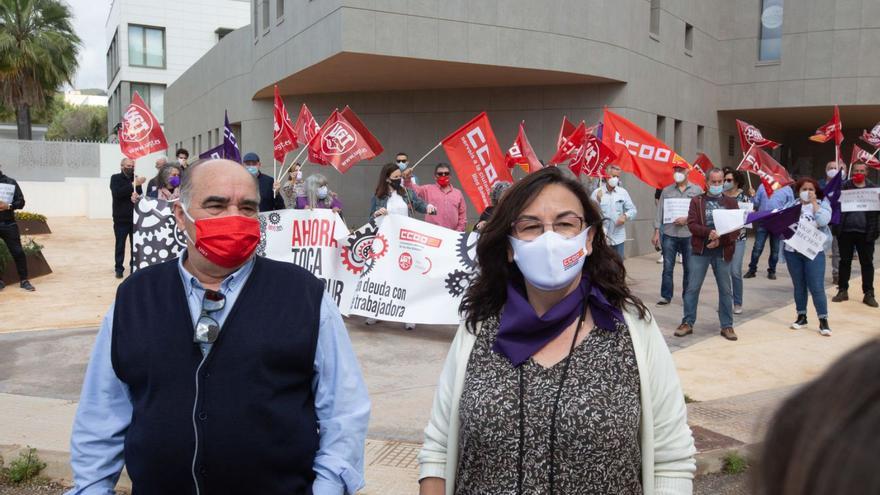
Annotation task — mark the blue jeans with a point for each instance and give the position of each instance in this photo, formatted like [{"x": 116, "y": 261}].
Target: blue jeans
[
  {"x": 699, "y": 265},
  {"x": 807, "y": 274},
  {"x": 736, "y": 272},
  {"x": 762, "y": 235},
  {"x": 619, "y": 249},
  {"x": 671, "y": 247}
]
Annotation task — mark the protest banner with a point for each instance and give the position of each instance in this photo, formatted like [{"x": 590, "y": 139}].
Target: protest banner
[
  {"x": 675, "y": 208},
  {"x": 727, "y": 221},
  {"x": 807, "y": 240},
  {"x": 418, "y": 273},
  {"x": 140, "y": 132},
  {"x": 860, "y": 199},
  {"x": 156, "y": 237},
  {"x": 477, "y": 159},
  {"x": 7, "y": 192}
]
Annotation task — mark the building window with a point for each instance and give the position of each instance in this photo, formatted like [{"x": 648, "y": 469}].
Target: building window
[
  {"x": 676, "y": 136},
  {"x": 200, "y": 144},
  {"x": 265, "y": 14},
  {"x": 731, "y": 146},
  {"x": 146, "y": 46},
  {"x": 154, "y": 96},
  {"x": 279, "y": 9},
  {"x": 701, "y": 138},
  {"x": 770, "y": 44},
  {"x": 112, "y": 59},
  {"x": 661, "y": 128},
  {"x": 256, "y": 19},
  {"x": 655, "y": 17},
  {"x": 688, "y": 38}
]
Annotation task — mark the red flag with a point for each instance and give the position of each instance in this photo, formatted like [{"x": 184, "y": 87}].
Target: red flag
[
  {"x": 284, "y": 137},
  {"x": 343, "y": 141},
  {"x": 140, "y": 133},
  {"x": 306, "y": 126},
  {"x": 522, "y": 154},
  {"x": 772, "y": 174},
  {"x": 750, "y": 135},
  {"x": 860, "y": 155},
  {"x": 639, "y": 152},
  {"x": 565, "y": 131},
  {"x": 477, "y": 159},
  {"x": 833, "y": 129},
  {"x": 703, "y": 164},
  {"x": 872, "y": 137},
  {"x": 571, "y": 144},
  {"x": 592, "y": 158}
]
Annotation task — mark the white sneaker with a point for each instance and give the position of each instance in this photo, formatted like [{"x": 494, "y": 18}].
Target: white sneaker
[
  {"x": 737, "y": 309},
  {"x": 660, "y": 260},
  {"x": 371, "y": 321},
  {"x": 825, "y": 332},
  {"x": 410, "y": 326}
]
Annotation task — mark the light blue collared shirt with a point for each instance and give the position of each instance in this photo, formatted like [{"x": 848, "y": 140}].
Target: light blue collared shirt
[
  {"x": 342, "y": 405},
  {"x": 779, "y": 199}
]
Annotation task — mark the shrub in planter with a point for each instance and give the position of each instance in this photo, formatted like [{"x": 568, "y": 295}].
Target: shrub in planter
[
  {"x": 36, "y": 262},
  {"x": 31, "y": 223}
]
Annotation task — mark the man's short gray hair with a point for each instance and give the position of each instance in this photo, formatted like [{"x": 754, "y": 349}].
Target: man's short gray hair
[
  {"x": 186, "y": 183},
  {"x": 715, "y": 170},
  {"x": 612, "y": 166}
]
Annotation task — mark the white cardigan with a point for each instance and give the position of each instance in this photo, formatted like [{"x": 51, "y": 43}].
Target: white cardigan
[{"x": 668, "y": 464}]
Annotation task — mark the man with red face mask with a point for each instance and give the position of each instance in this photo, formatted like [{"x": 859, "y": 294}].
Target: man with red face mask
[
  {"x": 449, "y": 201},
  {"x": 857, "y": 231},
  {"x": 205, "y": 368}
]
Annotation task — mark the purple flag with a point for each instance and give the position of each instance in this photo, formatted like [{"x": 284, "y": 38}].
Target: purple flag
[
  {"x": 215, "y": 152},
  {"x": 230, "y": 145},
  {"x": 781, "y": 222},
  {"x": 832, "y": 192}
]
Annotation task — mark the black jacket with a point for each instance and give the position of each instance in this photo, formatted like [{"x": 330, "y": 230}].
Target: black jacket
[
  {"x": 268, "y": 201},
  {"x": 121, "y": 189},
  {"x": 8, "y": 216},
  {"x": 872, "y": 218}
]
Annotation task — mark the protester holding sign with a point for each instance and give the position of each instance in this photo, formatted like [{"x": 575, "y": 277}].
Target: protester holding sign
[
  {"x": 451, "y": 207},
  {"x": 552, "y": 335},
  {"x": 126, "y": 189},
  {"x": 11, "y": 198},
  {"x": 858, "y": 231},
  {"x": 831, "y": 170},
  {"x": 676, "y": 236},
  {"x": 616, "y": 206},
  {"x": 392, "y": 198},
  {"x": 206, "y": 367},
  {"x": 765, "y": 202},
  {"x": 318, "y": 195},
  {"x": 808, "y": 274},
  {"x": 709, "y": 249},
  {"x": 734, "y": 187}
]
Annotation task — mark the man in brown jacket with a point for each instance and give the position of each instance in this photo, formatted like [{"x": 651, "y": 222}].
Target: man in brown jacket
[{"x": 708, "y": 248}]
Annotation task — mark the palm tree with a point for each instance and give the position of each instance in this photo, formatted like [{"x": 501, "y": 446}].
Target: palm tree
[{"x": 38, "y": 53}]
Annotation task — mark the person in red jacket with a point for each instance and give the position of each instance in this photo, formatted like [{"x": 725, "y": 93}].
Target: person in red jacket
[{"x": 709, "y": 248}]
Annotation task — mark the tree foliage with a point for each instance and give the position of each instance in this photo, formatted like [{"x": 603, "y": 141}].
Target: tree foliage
[{"x": 78, "y": 123}]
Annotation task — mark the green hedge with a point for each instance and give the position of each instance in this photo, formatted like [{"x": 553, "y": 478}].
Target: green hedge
[
  {"x": 6, "y": 257},
  {"x": 26, "y": 215}
]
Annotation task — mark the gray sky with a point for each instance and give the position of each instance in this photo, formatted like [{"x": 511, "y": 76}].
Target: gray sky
[{"x": 89, "y": 17}]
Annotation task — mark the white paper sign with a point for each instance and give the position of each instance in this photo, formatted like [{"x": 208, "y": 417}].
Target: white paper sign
[
  {"x": 418, "y": 273},
  {"x": 746, "y": 205},
  {"x": 864, "y": 199},
  {"x": 727, "y": 221},
  {"x": 675, "y": 208},
  {"x": 7, "y": 192},
  {"x": 807, "y": 240}
]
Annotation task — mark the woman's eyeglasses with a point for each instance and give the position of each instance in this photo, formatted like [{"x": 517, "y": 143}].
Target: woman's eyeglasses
[
  {"x": 207, "y": 328},
  {"x": 567, "y": 226}
]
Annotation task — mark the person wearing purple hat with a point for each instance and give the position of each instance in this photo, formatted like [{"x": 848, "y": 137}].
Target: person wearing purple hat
[{"x": 558, "y": 379}]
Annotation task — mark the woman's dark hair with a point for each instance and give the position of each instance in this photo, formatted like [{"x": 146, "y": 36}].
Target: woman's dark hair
[
  {"x": 804, "y": 180},
  {"x": 738, "y": 178},
  {"x": 826, "y": 437},
  {"x": 182, "y": 151},
  {"x": 382, "y": 186},
  {"x": 488, "y": 292}
]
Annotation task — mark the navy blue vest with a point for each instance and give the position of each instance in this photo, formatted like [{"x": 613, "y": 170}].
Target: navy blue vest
[{"x": 257, "y": 428}]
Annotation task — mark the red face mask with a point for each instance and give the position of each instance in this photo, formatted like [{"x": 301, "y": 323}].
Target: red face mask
[
  {"x": 226, "y": 241},
  {"x": 443, "y": 181},
  {"x": 859, "y": 178}
]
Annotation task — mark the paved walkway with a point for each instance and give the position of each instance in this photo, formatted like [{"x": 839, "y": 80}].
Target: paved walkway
[{"x": 737, "y": 384}]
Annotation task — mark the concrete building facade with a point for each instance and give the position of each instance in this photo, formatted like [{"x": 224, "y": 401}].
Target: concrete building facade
[
  {"x": 149, "y": 43},
  {"x": 415, "y": 70}
]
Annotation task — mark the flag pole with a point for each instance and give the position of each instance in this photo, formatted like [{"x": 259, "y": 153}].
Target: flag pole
[
  {"x": 284, "y": 171},
  {"x": 275, "y": 174},
  {"x": 748, "y": 175},
  {"x": 426, "y": 156}
]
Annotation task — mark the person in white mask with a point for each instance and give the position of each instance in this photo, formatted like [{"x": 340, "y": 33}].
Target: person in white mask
[
  {"x": 319, "y": 195},
  {"x": 617, "y": 208},
  {"x": 831, "y": 170},
  {"x": 558, "y": 379}
]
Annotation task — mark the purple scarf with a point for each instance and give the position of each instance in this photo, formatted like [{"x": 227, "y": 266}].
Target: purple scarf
[{"x": 522, "y": 332}]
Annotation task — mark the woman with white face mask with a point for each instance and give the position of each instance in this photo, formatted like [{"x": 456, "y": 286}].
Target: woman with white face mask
[
  {"x": 293, "y": 188},
  {"x": 558, "y": 380},
  {"x": 318, "y": 195}
]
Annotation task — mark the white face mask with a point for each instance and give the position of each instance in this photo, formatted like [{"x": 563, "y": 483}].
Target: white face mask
[
  {"x": 299, "y": 176},
  {"x": 613, "y": 182},
  {"x": 805, "y": 196},
  {"x": 831, "y": 173},
  {"x": 322, "y": 192},
  {"x": 551, "y": 261},
  {"x": 678, "y": 177}
]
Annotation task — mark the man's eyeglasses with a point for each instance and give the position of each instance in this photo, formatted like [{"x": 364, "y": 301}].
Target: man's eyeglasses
[
  {"x": 442, "y": 174},
  {"x": 207, "y": 328},
  {"x": 567, "y": 226}
]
